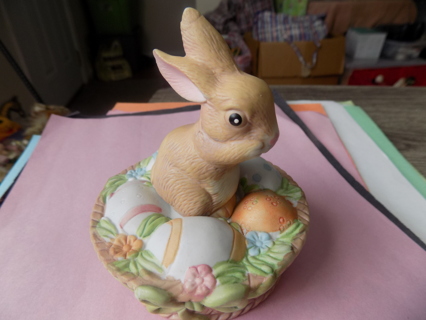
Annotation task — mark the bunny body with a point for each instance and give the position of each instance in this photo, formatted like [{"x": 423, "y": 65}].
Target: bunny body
[
  {"x": 184, "y": 179},
  {"x": 197, "y": 170}
]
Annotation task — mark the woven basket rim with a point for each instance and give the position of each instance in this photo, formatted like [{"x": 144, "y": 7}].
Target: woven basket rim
[{"x": 132, "y": 281}]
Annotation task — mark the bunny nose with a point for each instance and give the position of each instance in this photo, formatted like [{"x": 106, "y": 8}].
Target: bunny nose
[{"x": 274, "y": 140}]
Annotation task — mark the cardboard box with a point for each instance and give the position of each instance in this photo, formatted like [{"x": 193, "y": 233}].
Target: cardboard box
[
  {"x": 277, "y": 62},
  {"x": 363, "y": 43}
]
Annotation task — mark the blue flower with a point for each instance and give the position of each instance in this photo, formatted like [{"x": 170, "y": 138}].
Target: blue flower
[
  {"x": 258, "y": 242},
  {"x": 135, "y": 174}
]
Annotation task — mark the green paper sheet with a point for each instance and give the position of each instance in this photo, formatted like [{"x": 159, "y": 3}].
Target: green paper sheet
[{"x": 374, "y": 132}]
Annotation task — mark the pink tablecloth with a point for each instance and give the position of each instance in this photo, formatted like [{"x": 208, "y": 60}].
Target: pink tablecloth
[{"x": 356, "y": 263}]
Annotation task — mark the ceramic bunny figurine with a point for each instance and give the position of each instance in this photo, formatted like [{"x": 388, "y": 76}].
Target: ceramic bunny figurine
[{"x": 196, "y": 170}]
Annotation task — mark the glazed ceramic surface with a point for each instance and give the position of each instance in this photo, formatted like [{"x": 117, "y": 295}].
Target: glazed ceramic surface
[
  {"x": 204, "y": 227},
  {"x": 197, "y": 166},
  {"x": 203, "y": 266}
]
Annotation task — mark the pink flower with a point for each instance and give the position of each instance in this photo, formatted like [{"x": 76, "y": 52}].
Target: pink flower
[{"x": 199, "y": 281}]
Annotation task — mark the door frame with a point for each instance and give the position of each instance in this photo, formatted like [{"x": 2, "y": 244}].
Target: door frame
[{"x": 86, "y": 69}]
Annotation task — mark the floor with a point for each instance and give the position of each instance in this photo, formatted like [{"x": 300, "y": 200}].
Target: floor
[{"x": 97, "y": 97}]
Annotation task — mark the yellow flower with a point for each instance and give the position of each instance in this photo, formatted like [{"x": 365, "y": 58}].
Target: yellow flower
[{"x": 124, "y": 246}]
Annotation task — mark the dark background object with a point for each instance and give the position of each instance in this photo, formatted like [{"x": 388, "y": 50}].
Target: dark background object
[
  {"x": 408, "y": 32},
  {"x": 111, "y": 20},
  {"x": 113, "y": 16},
  {"x": 20, "y": 73},
  {"x": 129, "y": 42}
]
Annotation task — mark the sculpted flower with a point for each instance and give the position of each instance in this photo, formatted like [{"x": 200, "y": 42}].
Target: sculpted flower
[
  {"x": 258, "y": 242},
  {"x": 135, "y": 174},
  {"x": 199, "y": 281},
  {"x": 125, "y": 246}
]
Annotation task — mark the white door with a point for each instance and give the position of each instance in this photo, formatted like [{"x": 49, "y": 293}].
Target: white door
[{"x": 43, "y": 38}]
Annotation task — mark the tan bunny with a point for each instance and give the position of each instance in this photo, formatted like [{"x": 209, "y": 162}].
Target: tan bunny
[{"x": 197, "y": 170}]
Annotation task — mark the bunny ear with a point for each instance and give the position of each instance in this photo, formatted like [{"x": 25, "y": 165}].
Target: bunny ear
[
  {"x": 203, "y": 43},
  {"x": 194, "y": 77},
  {"x": 171, "y": 69}
]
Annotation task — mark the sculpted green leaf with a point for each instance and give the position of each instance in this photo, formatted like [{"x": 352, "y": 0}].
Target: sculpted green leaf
[
  {"x": 142, "y": 260},
  {"x": 230, "y": 279},
  {"x": 267, "y": 263},
  {"x": 225, "y": 294},
  {"x": 149, "y": 224},
  {"x": 122, "y": 265},
  {"x": 194, "y": 306},
  {"x": 247, "y": 188},
  {"x": 267, "y": 283},
  {"x": 230, "y": 272},
  {"x": 164, "y": 310},
  {"x": 243, "y": 183},
  {"x": 106, "y": 228},
  {"x": 134, "y": 267},
  {"x": 153, "y": 295},
  {"x": 257, "y": 265},
  {"x": 255, "y": 270},
  {"x": 289, "y": 191},
  {"x": 278, "y": 255},
  {"x": 147, "y": 176},
  {"x": 236, "y": 226},
  {"x": 186, "y": 314},
  {"x": 158, "y": 300},
  {"x": 112, "y": 184},
  {"x": 289, "y": 234},
  {"x": 233, "y": 306},
  {"x": 144, "y": 162},
  {"x": 149, "y": 262},
  {"x": 270, "y": 259},
  {"x": 260, "y": 263}
]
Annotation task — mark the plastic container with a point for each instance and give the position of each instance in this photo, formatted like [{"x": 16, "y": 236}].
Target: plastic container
[
  {"x": 363, "y": 43},
  {"x": 398, "y": 50}
]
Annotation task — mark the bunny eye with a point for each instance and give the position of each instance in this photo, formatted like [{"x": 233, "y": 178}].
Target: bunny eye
[{"x": 235, "y": 119}]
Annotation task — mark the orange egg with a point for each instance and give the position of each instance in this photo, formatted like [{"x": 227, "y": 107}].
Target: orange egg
[{"x": 264, "y": 211}]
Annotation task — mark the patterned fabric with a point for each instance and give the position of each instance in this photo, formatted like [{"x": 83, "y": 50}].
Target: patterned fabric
[
  {"x": 240, "y": 50},
  {"x": 291, "y": 7},
  {"x": 237, "y": 15},
  {"x": 271, "y": 27}
]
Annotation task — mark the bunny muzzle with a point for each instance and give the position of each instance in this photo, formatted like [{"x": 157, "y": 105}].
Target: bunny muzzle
[{"x": 266, "y": 144}]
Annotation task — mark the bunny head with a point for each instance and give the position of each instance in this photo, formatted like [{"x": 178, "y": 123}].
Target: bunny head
[{"x": 237, "y": 119}]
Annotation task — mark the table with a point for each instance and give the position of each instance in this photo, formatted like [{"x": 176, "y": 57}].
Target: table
[
  {"x": 399, "y": 112},
  {"x": 355, "y": 256}
]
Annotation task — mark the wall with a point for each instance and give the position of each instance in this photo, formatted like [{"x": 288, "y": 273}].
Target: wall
[
  {"x": 205, "y": 6},
  {"x": 79, "y": 31},
  {"x": 10, "y": 84},
  {"x": 160, "y": 20}
]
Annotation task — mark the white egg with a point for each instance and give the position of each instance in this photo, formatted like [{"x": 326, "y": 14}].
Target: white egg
[
  {"x": 131, "y": 203},
  {"x": 193, "y": 241}
]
